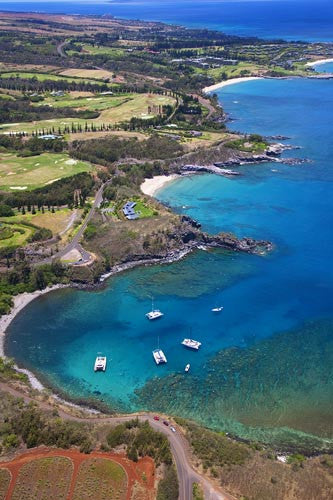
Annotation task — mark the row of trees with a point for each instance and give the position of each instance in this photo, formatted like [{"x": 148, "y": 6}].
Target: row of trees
[{"x": 21, "y": 110}]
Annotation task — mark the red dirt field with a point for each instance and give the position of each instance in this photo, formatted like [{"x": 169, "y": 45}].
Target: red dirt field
[{"x": 140, "y": 475}]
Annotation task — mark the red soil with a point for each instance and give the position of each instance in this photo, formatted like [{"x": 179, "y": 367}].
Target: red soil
[{"x": 134, "y": 471}]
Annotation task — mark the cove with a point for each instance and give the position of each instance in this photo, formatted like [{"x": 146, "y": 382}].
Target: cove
[{"x": 265, "y": 368}]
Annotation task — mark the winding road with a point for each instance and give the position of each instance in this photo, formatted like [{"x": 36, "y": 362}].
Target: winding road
[
  {"x": 179, "y": 446},
  {"x": 74, "y": 244}
]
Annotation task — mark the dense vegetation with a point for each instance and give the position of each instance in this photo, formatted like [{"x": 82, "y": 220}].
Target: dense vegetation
[
  {"x": 111, "y": 149},
  {"x": 72, "y": 191},
  {"x": 34, "y": 428},
  {"x": 214, "y": 449},
  {"x": 24, "y": 278},
  {"x": 21, "y": 110},
  {"x": 140, "y": 440}
]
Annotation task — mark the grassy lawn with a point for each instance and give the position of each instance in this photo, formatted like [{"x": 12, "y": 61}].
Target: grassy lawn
[
  {"x": 14, "y": 235},
  {"x": 233, "y": 71},
  {"x": 144, "y": 210},
  {"x": 45, "y": 76},
  {"x": 44, "y": 478},
  {"x": 96, "y": 50},
  {"x": 91, "y": 103},
  {"x": 18, "y": 174},
  {"x": 57, "y": 222},
  {"x": 4, "y": 482},
  {"x": 100, "y": 478},
  {"x": 134, "y": 106}
]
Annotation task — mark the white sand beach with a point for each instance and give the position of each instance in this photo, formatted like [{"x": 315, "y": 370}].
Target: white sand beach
[
  {"x": 151, "y": 186},
  {"x": 320, "y": 61},
  {"x": 226, "y": 83}
]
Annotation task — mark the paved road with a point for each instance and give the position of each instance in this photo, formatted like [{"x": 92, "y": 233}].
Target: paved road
[
  {"x": 179, "y": 446},
  {"x": 74, "y": 244}
]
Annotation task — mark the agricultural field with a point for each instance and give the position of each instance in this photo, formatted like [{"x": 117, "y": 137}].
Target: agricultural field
[
  {"x": 27, "y": 173},
  {"x": 135, "y": 106},
  {"x": 44, "y": 478},
  {"x": 14, "y": 235},
  {"x": 97, "y": 50},
  {"x": 101, "y": 476},
  {"x": 98, "y": 74},
  {"x": 4, "y": 482}
]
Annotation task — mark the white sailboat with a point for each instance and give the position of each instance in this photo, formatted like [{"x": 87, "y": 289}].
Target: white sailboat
[{"x": 154, "y": 313}]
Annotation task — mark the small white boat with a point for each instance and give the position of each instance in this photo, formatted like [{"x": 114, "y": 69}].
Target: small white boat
[
  {"x": 154, "y": 313},
  {"x": 187, "y": 367},
  {"x": 159, "y": 356},
  {"x": 100, "y": 364},
  {"x": 217, "y": 309},
  {"x": 191, "y": 344}
]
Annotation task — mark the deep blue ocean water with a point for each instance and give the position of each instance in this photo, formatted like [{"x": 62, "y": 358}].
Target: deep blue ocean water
[
  {"x": 263, "y": 384},
  {"x": 291, "y": 20}
]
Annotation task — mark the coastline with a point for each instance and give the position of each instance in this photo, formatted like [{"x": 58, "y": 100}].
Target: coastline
[
  {"x": 232, "y": 81},
  {"x": 20, "y": 301},
  {"x": 151, "y": 186},
  {"x": 319, "y": 62}
]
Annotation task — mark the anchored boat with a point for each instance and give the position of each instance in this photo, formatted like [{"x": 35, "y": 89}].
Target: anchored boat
[
  {"x": 187, "y": 367},
  {"x": 154, "y": 313},
  {"x": 100, "y": 364},
  {"x": 191, "y": 344},
  {"x": 159, "y": 356},
  {"x": 217, "y": 309}
]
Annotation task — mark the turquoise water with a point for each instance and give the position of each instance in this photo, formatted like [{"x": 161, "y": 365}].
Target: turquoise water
[
  {"x": 325, "y": 68},
  {"x": 265, "y": 369}
]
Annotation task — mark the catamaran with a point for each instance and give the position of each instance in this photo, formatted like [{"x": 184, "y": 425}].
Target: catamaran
[
  {"x": 191, "y": 344},
  {"x": 154, "y": 313},
  {"x": 100, "y": 364},
  {"x": 159, "y": 356}
]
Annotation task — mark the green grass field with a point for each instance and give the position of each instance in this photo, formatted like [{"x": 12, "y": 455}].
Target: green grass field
[
  {"x": 100, "y": 478},
  {"x": 46, "y": 76},
  {"x": 135, "y": 106},
  {"x": 95, "y": 103},
  {"x": 20, "y": 174},
  {"x": 14, "y": 235},
  {"x": 144, "y": 210},
  {"x": 57, "y": 222}
]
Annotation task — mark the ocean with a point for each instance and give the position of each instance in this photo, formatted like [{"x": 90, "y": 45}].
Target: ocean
[
  {"x": 265, "y": 369},
  {"x": 290, "y": 20}
]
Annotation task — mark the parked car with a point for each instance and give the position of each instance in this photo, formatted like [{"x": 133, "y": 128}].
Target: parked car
[
  {"x": 165, "y": 422},
  {"x": 172, "y": 428},
  {"x": 156, "y": 417}
]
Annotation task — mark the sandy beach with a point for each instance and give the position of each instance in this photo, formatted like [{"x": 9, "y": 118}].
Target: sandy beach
[
  {"x": 226, "y": 83},
  {"x": 320, "y": 61},
  {"x": 151, "y": 186}
]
